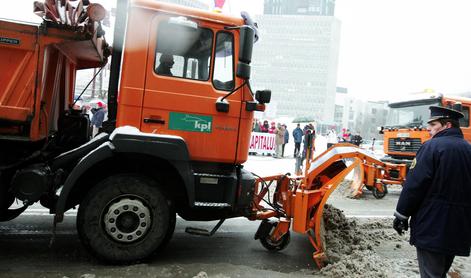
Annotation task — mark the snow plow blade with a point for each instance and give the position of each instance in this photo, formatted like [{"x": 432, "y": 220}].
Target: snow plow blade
[{"x": 299, "y": 201}]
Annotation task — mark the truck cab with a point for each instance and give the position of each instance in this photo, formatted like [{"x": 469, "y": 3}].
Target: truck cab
[
  {"x": 406, "y": 128},
  {"x": 203, "y": 50}
]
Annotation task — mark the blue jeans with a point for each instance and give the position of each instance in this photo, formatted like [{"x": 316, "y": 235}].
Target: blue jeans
[{"x": 433, "y": 265}]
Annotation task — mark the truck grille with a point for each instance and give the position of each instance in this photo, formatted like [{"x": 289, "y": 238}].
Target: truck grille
[{"x": 404, "y": 145}]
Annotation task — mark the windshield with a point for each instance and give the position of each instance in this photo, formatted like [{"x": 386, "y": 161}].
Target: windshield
[{"x": 409, "y": 116}]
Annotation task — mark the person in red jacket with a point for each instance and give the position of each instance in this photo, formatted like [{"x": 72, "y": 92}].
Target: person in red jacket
[{"x": 264, "y": 128}]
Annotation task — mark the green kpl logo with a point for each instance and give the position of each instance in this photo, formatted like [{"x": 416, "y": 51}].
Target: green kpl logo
[{"x": 190, "y": 122}]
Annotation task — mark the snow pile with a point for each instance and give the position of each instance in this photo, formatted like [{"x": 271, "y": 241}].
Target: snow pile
[{"x": 349, "y": 248}]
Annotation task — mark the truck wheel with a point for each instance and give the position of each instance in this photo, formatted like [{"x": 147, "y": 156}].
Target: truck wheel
[
  {"x": 275, "y": 246},
  {"x": 6, "y": 198},
  {"x": 378, "y": 194},
  {"x": 125, "y": 218}
]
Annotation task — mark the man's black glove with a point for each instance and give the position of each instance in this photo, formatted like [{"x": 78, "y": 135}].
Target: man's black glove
[{"x": 400, "y": 225}]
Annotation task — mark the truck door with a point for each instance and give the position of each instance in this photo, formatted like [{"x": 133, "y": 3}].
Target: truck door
[{"x": 190, "y": 65}]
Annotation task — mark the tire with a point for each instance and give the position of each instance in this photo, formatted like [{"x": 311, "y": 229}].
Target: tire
[
  {"x": 278, "y": 245},
  {"x": 378, "y": 194},
  {"x": 6, "y": 198},
  {"x": 125, "y": 218}
]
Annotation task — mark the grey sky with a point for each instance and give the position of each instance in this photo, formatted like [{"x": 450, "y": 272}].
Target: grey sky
[
  {"x": 394, "y": 47},
  {"x": 388, "y": 47}
]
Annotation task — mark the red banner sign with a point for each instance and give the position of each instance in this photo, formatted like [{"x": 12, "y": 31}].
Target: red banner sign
[{"x": 262, "y": 143}]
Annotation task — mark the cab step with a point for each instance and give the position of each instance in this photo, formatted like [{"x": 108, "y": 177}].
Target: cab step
[
  {"x": 212, "y": 205},
  {"x": 204, "y": 232}
]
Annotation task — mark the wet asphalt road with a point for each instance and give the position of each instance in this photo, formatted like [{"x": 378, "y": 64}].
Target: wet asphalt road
[
  {"x": 25, "y": 247},
  {"x": 25, "y": 250}
]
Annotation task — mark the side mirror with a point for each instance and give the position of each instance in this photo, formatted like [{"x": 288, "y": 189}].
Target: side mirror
[
  {"x": 247, "y": 35},
  {"x": 263, "y": 96},
  {"x": 222, "y": 105}
]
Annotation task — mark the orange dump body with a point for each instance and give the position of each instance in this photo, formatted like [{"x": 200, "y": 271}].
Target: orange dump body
[{"x": 38, "y": 66}]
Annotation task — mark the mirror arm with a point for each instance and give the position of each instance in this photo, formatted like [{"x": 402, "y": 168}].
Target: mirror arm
[
  {"x": 235, "y": 90},
  {"x": 250, "y": 87},
  {"x": 221, "y": 104},
  {"x": 232, "y": 28}
]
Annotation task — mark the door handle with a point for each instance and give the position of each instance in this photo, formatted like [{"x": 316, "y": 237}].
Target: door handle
[{"x": 153, "y": 121}]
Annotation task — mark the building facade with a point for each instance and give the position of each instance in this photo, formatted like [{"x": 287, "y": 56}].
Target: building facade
[
  {"x": 359, "y": 116},
  {"x": 296, "y": 57},
  {"x": 300, "y": 7}
]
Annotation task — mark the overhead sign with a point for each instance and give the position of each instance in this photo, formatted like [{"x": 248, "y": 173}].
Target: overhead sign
[{"x": 262, "y": 143}]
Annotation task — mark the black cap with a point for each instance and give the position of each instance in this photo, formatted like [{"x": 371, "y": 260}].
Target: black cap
[{"x": 439, "y": 112}]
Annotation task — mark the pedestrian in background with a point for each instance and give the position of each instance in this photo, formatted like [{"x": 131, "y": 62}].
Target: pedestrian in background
[
  {"x": 264, "y": 128},
  {"x": 279, "y": 139},
  {"x": 437, "y": 196},
  {"x": 308, "y": 147},
  {"x": 256, "y": 126},
  {"x": 272, "y": 128},
  {"x": 286, "y": 140},
  {"x": 346, "y": 135},
  {"x": 332, "y": 138},
  {"x": 98, "y": 118},
  {"x": 310, "y": 130},
  {"x": 298, "y": 138},
  {"x": 357, "y": 139}
]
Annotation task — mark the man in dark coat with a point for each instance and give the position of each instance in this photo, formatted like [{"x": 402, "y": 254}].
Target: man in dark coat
[
  {"x": 285, "y": 141},
  {"x": 298, "y": 138},
  {"x": 437, "y": 196},
  {"x": 357, "y": 139}
]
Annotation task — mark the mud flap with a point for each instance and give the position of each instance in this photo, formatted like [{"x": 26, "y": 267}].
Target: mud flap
[{"x": 11, "y": 214}]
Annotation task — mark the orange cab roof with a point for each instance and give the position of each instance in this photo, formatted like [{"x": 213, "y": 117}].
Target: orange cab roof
[
  {"x": 458, "y": 98},
  {"x": 186, "y": 11}
]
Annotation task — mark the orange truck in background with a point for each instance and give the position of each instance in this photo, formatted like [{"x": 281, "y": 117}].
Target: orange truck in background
[{"x": 406, "y": 129}]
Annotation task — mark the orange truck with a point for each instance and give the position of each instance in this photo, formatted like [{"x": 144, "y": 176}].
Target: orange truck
[
  {"x": 180, "y": 117},
  {"x": 181, "y": 139},
  {"x": 406, "y": 129}
]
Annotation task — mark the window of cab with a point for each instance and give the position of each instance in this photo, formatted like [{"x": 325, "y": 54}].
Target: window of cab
[
  {"x": 183, "y": 49},
  {"x": 464, "y": 122},
  {"x": 223, "y": 75}
]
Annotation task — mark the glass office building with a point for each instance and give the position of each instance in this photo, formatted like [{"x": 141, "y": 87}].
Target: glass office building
[
  {"x": 296, "y": 57},
  {"x": 300, "y": 7}
]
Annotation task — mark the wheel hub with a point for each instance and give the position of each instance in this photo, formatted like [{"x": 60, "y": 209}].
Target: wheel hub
[{"x": 127, "y": 220}]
